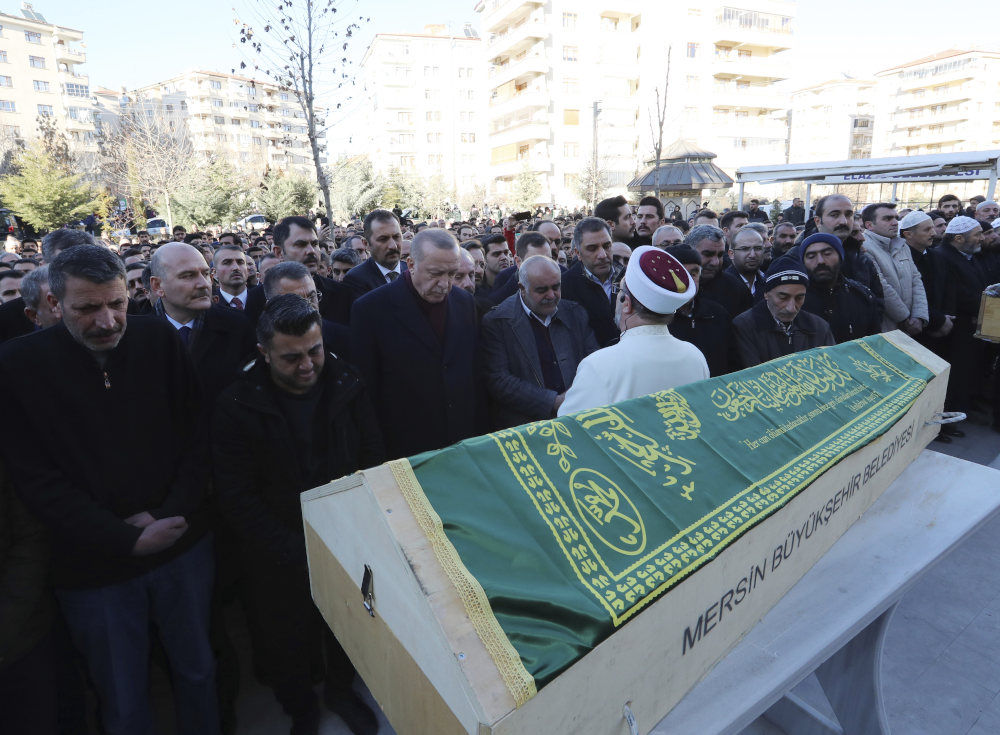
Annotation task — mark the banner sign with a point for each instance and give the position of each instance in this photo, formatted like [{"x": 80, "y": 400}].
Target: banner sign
[{"x": 570, "y": 527}]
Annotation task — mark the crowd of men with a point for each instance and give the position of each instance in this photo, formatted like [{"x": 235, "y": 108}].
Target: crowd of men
[{"x": 166, "y": 404}]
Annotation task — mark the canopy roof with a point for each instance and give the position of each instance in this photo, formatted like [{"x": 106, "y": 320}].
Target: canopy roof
[{"x": 683, "y": 167}]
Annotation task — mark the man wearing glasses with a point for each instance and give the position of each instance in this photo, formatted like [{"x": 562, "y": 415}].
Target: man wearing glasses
[
  {"x": 747, "y": 254},
  {"x": 667, "y": 236},
  {"x": 291, "y": 277}
]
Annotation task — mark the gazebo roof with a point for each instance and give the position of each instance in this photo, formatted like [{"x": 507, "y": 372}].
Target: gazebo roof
[{"x": 683, "y": 167}]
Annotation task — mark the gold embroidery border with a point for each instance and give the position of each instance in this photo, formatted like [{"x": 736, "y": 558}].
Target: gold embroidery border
[{"x": 519, "y": 681}]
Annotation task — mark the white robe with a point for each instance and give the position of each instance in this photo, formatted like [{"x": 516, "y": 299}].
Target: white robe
[{"x": 646, "y": 360}]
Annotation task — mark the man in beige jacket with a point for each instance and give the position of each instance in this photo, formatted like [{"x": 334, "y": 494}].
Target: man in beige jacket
[{"x": 905, "y": 302}]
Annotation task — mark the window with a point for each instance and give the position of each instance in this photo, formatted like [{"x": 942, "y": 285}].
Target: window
[
  {"x": 285, "y": 112},
  {"x": 434, "y": 116},
  {"x": 6, "y": 81},
  {"x": 12, "y": 130},
  {"x": 743, "y": 53},
  {"x": 569, "y": 20},
  {"x": 32, "y": 37},
  {"x": 692, "y": 81},
  {"x": 257, "y": 140},
  {"x": 571, "y": 150},
  {"x": 234, "y": 122},
  {"x": 36, "y": 62},
  {"x": 692, "y": 50},
  {"x": 221, "y": 137},
  {"x": 45, "y": 110},
  {"x": 216, "y": 103},
  {"x": 170, "y": 108},
  {"x": 571, "y": 86},
  {"x": 570, "y": 53},
  {"x": 571, "y": 117},
  {"x": 215, "y": 84},
  {"x": 468, "y": 137},
  {"x": 219, "y": 120},
  {"x": 79, "y": 113},
  {"x": 253, "y": 107},
  {"x": 3, "y": 57},
  {"x": 283, "y": 96},
  {"x": 255, "y": 124},
  {"x": 405, "y": 118},
  {"x": 571, "y": 181},
  {"x": 608, "y": 24},
  {"x": 7, "y": 106}
]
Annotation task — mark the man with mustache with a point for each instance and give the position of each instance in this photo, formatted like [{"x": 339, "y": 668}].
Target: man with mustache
[
  {"x": 904, "y": 298},
  {"x": 127, "y": 529},
  {"x": 138, "y": 296},
  {"x": 846, "y": 305},
  {"x": 295, "y": 238},
  {"x": 218, "y": 337},
  {"x": 415, "y": 343},
  {"x": 777, "y": 326},
  {"x": 385, "y": 242},
  {"x": 834, "y": 215},
  {"x": 532, "y": 343}
]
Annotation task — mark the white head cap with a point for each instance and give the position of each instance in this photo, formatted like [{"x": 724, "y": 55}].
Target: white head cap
[
  {"x": 658, "y": 280},
  {"x": 961, "y": 224},
  {"x": 912, "y": 219}
]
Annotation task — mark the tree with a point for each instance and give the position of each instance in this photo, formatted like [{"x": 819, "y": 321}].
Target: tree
[
  {"x": 355, "y": 188},
  {"x": 146, "y": 155},
  {"x": 43, "y": 193},
  {"x": 593, "y": 182},
  {"x": 661, "y": 117},
  {"x": 216, "y": 193},
  {"x": 282, "y": 195},
  {"x": 527, "y": 190},
  {"x": 298, "y": 39}
]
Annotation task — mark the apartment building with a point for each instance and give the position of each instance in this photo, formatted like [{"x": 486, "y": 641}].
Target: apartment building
[
  {"x": 832, "y": 121},
  {"x": 939, "y": 104},
  {"x": 42, "y": 74},
  {"x": 251, "y": 122},
  {"x": 568, "y": 77},
  {"x": 425, "y": 105}
]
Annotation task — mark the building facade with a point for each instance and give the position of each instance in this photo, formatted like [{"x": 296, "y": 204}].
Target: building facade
[
  {"x": 574, "y": 86},
  {"x": 425, "y": 106},
  {"x": 832, "y": 121},
  {"x": 253, "y": 123},
  {"x": 939, "y": 104},
  {"x": 42, "y": 75}
]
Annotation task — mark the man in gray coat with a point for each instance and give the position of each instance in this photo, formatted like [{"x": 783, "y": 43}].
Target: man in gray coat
[
  {"x": 532, "y": 343},
  {"x": 905, "y": 301}
]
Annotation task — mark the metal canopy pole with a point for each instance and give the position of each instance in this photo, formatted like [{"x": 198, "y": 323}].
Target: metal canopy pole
[
  {"x": 739, "y": 206},
  {"x": 809, "y": 201},
  {"x": 893, "y": 199},
  {"x": 993, "y": 181}
]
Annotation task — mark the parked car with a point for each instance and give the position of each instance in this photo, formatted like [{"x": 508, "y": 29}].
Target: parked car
[
  {"x": 253, "y": 222},
  {"x": 9, "y": 226},
  {"x": 157, "y": 227}
]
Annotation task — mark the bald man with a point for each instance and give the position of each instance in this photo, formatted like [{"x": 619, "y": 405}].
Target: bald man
[
  {"x": 219, "y": 338},
  {"x": 531, "y": 345}
]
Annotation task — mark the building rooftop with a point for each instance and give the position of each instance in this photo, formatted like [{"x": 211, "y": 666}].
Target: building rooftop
[{"x": 938, "y": 57}]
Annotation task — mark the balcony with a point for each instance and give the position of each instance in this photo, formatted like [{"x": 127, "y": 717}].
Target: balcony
[
  {"x": 749, "y": 128},
  {"x": 749, "y": 68},
  {"x": 520, "y": 70},
  {"x": 65, "y": 53},
  {"x": 525, "y": 132},
  {"x": 737, "y": 27},
  {"x": 512, "y": 169},
  {"x": 758, "y": 97},
  {"x": 498, "y": 13},
  {"x": 518, "y": 38},
  {"x": 529, "y": 99}
]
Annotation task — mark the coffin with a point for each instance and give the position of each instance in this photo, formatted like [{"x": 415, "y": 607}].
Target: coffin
[{"x": 580, "y": 575}]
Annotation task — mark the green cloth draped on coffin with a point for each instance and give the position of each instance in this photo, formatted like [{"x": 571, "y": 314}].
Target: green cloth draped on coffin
[{"x": 573, "y": 525}]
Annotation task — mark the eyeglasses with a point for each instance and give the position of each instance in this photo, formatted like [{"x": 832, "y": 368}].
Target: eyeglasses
[
  {"x": 670, "y": 242},
  {"x": 744, "y": 250}
]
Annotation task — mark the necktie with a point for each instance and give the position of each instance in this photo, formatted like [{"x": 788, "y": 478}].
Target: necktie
[
  {"x": 185, "y": 333},
  {"x": 392, "y": 276},
  {"x": 236, "y": 303}
]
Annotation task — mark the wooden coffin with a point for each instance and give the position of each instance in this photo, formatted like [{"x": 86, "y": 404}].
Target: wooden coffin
[{"x": 428, "y": 644}]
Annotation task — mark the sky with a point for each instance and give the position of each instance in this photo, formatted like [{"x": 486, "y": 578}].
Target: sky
[{"x": 126, "y": 47}]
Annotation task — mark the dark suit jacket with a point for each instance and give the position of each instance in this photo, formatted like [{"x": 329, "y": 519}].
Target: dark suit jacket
[
  {"x": 255, "y": 304},
  {"x": 510, "y": 359},
  {"x": 221, "y": 348},
  {"x": 426, "y": 394},
  {"x": 366, "y": 277},
  {"x": 588, "y": 294},
  {"x": 13, "y": 322},
  {"x": 335, "y": 304}
]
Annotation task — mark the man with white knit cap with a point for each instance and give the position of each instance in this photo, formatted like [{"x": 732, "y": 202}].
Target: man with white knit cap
[{"x": 647, "y": 357}]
